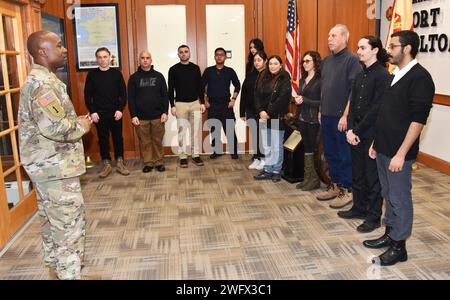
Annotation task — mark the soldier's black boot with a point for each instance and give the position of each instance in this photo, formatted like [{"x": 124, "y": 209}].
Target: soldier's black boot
[
  {"x": 381, "y": 242},
  {"x": 396, "y": 253}
]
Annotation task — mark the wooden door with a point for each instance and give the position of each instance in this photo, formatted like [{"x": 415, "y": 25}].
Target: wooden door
[
  {"x": 17, "y": 197},
  {"x": 196, "y": 36}
]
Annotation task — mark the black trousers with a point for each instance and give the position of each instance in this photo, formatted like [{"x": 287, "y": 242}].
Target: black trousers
[
  {"x": 366, "y": 187},
  {"x": 105, "y": 126},
  {"x": 309, "y": 135},
  {"x": 218, "y": 114}
]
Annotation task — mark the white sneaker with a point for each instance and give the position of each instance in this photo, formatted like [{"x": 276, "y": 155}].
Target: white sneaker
[
  {"x": 254, "y": 164},
  {"x": 261, "y": 165}
]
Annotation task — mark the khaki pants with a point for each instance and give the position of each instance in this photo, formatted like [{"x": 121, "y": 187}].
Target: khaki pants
[
  {"x": 151, "y": 134},
  {"x": 189, "y": 119}
]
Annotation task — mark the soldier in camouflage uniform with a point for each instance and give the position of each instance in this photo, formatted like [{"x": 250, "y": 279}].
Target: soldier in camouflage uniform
[{"x": 52, "y": 154}]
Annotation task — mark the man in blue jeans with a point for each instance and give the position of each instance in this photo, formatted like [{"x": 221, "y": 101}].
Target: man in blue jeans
[
  {"x": 338, "y": 72},
  {"x": 406, "y": 104}
]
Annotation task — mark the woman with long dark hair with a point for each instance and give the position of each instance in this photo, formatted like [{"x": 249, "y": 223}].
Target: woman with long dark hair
[
  {"x": 364, "y": 106},
  {"x": 254, "y": 47},
  {"x": 272, "y": 97},
  {"x": 308, "y": 102},
  {"x": 247, "y": 108}
]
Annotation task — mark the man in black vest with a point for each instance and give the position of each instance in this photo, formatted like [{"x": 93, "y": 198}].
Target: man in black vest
[{"x": 404, "y": 111}]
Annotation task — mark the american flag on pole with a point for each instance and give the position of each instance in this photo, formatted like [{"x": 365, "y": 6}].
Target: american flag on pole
[{"x": 293, "y": 46}]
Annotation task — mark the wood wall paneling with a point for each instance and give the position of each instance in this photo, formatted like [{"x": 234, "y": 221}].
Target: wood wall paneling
[
  {"x": 54, "y": 7},
  {"x": 316, "y": 18}
]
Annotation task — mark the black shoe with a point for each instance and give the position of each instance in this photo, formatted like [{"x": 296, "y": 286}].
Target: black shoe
[
  {"x": 215, "y": 155},
  {"x": 350, "y": 214},
  {"x": 160, "y": 168},
  {"x": 396, "y": 253},
  {"x": 381, "y": 242},
  {"x": 183, "y": 163},
  {"x": 234, "y": 156},
  {"x": 368, "y": 226},
  {"x": 263, "y": 176},
  {"x": 276, "y": 177},
  {"x": 198, "y": 161},
  {"x": 147, "y": 169}
]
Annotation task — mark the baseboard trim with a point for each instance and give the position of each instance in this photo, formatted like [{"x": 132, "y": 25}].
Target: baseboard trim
[{"x": 434, "y": 162}]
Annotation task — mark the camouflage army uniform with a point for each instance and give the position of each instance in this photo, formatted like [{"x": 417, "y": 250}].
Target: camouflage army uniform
[{"x": 52, "y": 154}]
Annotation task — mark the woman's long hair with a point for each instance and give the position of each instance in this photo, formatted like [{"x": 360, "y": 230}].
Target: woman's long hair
[
  {"x": 259, "y": 45},
  {"x": 266, "y": 76},
  {"x": 317, "y": 61},
  {"x": 375, "y": 42}
]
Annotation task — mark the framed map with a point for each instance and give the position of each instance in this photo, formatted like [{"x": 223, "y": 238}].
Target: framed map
[{"x": 96, "y": 26}]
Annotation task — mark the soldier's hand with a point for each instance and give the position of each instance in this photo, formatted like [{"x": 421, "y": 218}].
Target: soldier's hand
[
  {"x": 164, "y": 118},
  {"x": 86, "y": 123},
  {"x": 95, "y": 118},
  {"x": 174, "y": 111}
]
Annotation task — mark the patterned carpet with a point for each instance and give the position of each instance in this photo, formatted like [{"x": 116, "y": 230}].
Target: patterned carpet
[{"x": 216, "y": 222}]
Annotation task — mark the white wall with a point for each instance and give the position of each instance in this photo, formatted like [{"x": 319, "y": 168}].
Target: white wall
[{"x": 435, "y": 139}]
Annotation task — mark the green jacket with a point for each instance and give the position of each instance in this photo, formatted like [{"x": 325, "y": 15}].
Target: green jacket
[{"x": 49, "y": 133}]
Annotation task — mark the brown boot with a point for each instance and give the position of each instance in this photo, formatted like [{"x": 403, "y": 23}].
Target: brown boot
[
  {"x": 313, "y": 182},
  {"x": 106, "y": 169},
  {"x": 345, "y": 198},
  {"x": 331, "y": 192},
  {"x": 120, "y": 167},
  {"x": 52, "y": 274}
]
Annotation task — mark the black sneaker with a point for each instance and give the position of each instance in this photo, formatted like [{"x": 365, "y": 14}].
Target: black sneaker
[
  {"x": 147, "y": 169},
  {"x": 276, "y": 177},
  {"x": 350, "y": 214},
  {"x": 368, "y": 226},
  {"x": 160, "y": 168},
  {"x": 183, "y": 163},
  {"x": 215, "y": 155},
  {"x": 263, "y": 176},
  {"x": 198, "y": 161}
]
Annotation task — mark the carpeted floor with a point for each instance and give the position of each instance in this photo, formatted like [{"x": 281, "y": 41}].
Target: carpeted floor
[{"x": 216, "y": 222}]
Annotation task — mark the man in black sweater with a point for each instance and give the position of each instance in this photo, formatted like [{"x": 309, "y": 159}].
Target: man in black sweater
[
  {"x": 185, "y": 81},
  {"x": 406, "y": 104},
  {"x": 364, "y": 104},
  {"x": 105, "y": 97},
  {"x": 217, "y": 80},
  {"x": 149, "y": 105}
]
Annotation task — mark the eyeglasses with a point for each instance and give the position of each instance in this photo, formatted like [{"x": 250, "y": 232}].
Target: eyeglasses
[
  {"x": 306, "y": 61},
  {"x": 392, "y": 46}
]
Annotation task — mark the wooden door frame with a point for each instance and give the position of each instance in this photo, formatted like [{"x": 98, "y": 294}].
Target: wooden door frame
[{"x": 12, "y": 219}]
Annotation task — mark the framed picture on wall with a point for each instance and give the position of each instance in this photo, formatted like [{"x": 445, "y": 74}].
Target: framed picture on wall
[
  {"x": 56, "y": 25},
  {"x": 96, "y": 26}
]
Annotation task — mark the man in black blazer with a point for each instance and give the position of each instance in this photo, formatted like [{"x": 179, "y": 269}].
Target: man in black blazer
[{"x": 404, "y": 111}]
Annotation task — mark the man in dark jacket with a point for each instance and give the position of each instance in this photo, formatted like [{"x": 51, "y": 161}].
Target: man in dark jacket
[
  {"x": 149, "y": 105},
  {"x": 216, "y": 82}
]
